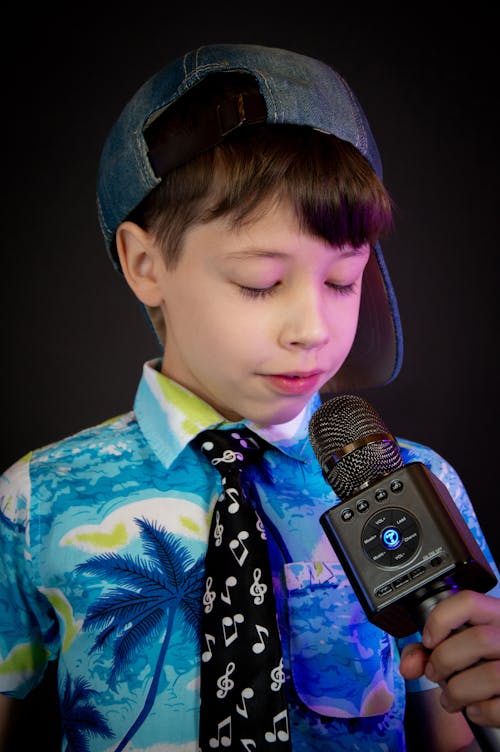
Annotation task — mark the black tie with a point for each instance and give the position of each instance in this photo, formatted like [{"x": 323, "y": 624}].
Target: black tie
[{"x": 243, "y": 703}]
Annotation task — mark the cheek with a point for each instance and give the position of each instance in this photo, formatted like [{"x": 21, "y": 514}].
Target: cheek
[
  {"x": 224, "y": 327},
  {"x": 344, "y": 324}
]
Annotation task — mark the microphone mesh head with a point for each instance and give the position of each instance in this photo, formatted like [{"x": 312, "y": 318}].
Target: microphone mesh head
[{"x": 342, "y": 421}]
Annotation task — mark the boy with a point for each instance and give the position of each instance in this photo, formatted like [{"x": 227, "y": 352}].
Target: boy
[{"x": 240, "y": 196}]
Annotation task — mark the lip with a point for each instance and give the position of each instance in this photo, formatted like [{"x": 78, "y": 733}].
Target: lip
[{"x": 294, "y": 383}]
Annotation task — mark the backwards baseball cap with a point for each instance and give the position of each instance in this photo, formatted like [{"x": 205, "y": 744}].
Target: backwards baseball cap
[{"x": 293, "y": 89}]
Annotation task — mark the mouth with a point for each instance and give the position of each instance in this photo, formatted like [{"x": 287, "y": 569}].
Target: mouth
[{"x": 296, "y": 383}]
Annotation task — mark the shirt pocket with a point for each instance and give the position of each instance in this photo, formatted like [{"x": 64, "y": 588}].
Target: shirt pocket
[{"x": 342, "y": 665}]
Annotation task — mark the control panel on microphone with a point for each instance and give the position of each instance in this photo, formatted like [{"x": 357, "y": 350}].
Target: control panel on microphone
[{"x": 397, "y": 538}]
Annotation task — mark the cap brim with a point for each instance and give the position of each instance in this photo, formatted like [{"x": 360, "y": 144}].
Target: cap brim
[{"x": 376, "y": 354}]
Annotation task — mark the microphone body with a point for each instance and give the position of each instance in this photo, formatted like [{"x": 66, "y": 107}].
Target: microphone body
[
  {"x": 397, "y": 532},
  {"x": 400, "y": 541}
]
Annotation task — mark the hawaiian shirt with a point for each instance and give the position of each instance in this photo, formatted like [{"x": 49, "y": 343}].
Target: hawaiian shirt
[{"x": 102, "y": 543}]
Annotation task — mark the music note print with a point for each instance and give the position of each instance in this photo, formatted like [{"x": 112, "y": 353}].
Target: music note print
[
  {"x": 281, "y": 734},
  {"x": 234, "y": 496},
  {"x": 228, "y": 456},
  {"x": 224, "y": 683},
  {"x": 209, "y": 595},
  {"x": 241, "y": 669},
  {"x": 218, "y": 529},
  {"x": 259, "y": 525},
  {"x": 238, "y": 548},
  {"x": 207, "y": 654},
  {"x": 259, "y": 647},
  {"x": 223, "y": 739},
  {"x": 246, "y": 694},
  {"x": 230, "y": 582},
  {"x": 258, "y": 589},
  {"x": 230, "y": 629},
  {"x": 278, "y": 677}
]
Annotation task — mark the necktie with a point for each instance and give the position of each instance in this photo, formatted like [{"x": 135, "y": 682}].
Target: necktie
[{"x": 243, "y": 704}]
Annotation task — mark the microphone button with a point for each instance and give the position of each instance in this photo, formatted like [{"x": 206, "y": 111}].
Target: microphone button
[
  {"x": 404, "y": 521},
  {"x": 347, "y": 514},
  {"x": 381, "y": 519},
  {"x": 380, "y": 556},
  {"x": 417, "y": 572},
  {"x": 403, "y": 580},
  {"x": 396, "y": 486},
  {"x": 436, "y": 561},
  {"x": 384, "y": 590}
]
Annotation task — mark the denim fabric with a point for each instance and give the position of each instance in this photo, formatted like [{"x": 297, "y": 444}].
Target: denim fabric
[{"x": 298, "y": 90}]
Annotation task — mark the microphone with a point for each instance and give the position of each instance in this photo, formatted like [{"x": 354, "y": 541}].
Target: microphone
[{"x": 397, "y": 532}]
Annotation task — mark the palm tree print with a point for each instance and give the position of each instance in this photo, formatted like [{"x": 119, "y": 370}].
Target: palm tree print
[
  {"x": 79, "y": 717},
  {"x": 149, "y": 593}
]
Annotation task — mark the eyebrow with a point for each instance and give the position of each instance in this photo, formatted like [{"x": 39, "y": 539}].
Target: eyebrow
[{"x": 245, "y": 253}]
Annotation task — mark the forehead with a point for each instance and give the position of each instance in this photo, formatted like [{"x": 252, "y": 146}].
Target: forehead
[{"x": 272, "y": 230}]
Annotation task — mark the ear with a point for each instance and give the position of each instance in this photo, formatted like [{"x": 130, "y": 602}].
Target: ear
[{"x": 141, "y": 262}]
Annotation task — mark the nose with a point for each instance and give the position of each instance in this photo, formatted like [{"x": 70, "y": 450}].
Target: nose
[{"x": 305, "y": 321}]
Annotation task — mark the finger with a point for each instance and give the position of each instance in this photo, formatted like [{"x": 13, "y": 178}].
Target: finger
[
  {"x": 461, "y": 608},
  {"x": 462, "y": 650},
  {"x": 478, "y": 684},
  {"x": 485, "y": 713},
  {"x": 413, "y": 661}
]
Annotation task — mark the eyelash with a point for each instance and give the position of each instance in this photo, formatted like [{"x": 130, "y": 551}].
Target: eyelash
[
  {"x": 264, "y": 292},
  {"x": 256, "y": 292}
]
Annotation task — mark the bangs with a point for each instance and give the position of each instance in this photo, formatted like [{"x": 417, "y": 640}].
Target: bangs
[{"x": 333, "y": 189}]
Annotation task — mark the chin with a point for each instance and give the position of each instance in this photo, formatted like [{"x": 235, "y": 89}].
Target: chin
[{"x": 277, "y": 417}]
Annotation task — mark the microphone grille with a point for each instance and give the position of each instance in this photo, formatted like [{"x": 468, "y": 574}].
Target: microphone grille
[{"x": 341, "y": 422}]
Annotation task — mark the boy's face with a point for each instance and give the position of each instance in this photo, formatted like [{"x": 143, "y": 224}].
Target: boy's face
[{"x": 260, "y": 316}]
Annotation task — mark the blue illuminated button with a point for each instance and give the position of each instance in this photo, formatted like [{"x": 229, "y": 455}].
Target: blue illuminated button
[{"x": 391, "y": 538}]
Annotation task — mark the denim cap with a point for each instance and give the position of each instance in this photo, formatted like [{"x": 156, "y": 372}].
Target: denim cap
[{"x": 296, "y": 90}]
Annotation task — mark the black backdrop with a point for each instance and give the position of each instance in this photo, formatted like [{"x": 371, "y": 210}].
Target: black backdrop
[{"x": 74, "y": 340}]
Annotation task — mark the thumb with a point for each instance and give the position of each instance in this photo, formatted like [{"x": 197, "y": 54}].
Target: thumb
[{"x": 413, "y": 660}]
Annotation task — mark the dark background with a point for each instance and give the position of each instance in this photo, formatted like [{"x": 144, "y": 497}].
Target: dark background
[{"x": 73, "y": 338}]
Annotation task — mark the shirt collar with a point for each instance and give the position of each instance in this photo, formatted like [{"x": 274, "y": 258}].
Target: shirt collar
[{"x": 169, "y": 416}]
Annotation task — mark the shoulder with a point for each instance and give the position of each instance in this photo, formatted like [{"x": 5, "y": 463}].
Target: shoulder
[
  {"x": 48, "y": 469},
  {"x": 413, "y": 451},
  {"x": 112, "y": 438}
]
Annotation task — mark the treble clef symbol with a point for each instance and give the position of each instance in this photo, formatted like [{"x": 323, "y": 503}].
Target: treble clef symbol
[
  {"x": 224, "y": 683},
  {"x": 260, "y": 527},
  {"x": 209, "y": 596},
  {"x": 278, "y": 677},
  {"x": 218, "y": 529},
  {"x": 228, "y": 456},
  {"x": 258, "y": 589}
]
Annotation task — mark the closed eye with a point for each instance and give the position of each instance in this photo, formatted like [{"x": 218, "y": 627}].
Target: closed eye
[
  {"x": 257, "y": 292},
  {"x": 263, "y": 292},
  {"x": 342, "y": 289}
]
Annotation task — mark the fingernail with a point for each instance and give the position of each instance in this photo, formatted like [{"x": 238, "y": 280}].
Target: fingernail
[{"x": 426, "y": 638}]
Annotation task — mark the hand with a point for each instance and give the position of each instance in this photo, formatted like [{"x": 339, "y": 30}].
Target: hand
[{"x": 451, "y": 660}]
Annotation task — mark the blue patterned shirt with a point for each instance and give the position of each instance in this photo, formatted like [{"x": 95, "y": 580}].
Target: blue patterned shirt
[{"x": 102, "y": 542}]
